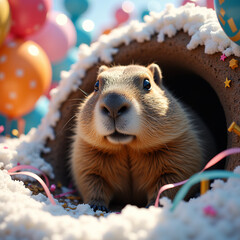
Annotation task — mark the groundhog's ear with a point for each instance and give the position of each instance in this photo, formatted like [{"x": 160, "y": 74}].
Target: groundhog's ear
[
  {"x": 102, "y": 69},
  {"x": 156, "y": 72}
]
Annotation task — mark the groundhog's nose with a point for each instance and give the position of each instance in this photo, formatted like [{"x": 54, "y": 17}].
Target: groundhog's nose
[{"x": 114, "y": 105}]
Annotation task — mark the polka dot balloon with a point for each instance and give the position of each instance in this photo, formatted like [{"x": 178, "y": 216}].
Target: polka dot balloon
[
  {"x": 28, "y": 15},
  {"x": 25, "y": 74}
]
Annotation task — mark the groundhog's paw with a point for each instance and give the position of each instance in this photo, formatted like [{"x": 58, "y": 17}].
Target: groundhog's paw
[{"x": 97, "y": 207}]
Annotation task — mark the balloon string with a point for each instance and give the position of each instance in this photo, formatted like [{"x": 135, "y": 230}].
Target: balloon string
[
  {"x": 212, "y": 162},
  {"x": 39, "y": 180}
]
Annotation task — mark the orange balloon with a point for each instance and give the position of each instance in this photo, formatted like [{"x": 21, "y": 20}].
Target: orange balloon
[{"x": 25, "y": 74}]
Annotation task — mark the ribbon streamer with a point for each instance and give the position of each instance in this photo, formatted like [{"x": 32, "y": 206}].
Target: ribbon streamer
[
  {"x": 211, "y": 163},
  {"x": 197, "y": 178},
  {"x": 39, "y": 180}
]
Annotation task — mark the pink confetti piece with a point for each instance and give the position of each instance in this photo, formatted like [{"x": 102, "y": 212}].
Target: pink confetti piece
[
  {"x": 1, "y": 129},
  {"x": 5, "y": 147},
  {"x": 52, "y": 187},
  {"x": 210, "y": 211},
  {"x": 223, "y": 57}
]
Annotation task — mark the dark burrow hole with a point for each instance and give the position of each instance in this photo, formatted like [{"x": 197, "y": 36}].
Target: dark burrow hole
[{"x": 196, "y": 93}]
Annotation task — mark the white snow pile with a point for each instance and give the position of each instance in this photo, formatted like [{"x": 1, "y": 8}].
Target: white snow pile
[{"x": 24, "y": 216}]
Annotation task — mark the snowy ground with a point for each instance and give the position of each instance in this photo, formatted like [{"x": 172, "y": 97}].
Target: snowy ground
[{"x": 23, "y": 216}]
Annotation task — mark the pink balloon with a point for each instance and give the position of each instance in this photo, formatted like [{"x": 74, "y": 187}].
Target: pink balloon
[
  {"x": 121, "y": 16},
  {"x": 56, "y": 36},
  {"x": 210, "y": 3},
  {"x": 190, "y": 1},
  {"x": 28, "y": 16},
  {"x": 205, "y": 3}
]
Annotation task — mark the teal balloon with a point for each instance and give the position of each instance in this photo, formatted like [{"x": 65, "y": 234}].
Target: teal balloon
[
  {"x": 33, "y": 119},
  {"x": 65, "y": 64},
  {"x": 228, "y": 14},
  {"x": 143, "y": 14},
  {"x": 76, "y": 8},
  {"x": 82, "y": 35}
]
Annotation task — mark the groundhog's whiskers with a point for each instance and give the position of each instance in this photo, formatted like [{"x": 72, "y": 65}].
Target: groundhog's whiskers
[
  {"x": 84, "y": 93},
  {"x": 63, "y": 128}
]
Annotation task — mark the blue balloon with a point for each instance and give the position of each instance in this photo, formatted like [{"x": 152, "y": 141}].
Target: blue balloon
[
  {"x": 143, "y": 14},
  {"x": 228, "y": 13},
  {"x": 32, "y": 119},
  {"x": 82, "y": 35},
  {"x": 76, "y": 8},
  {"x": 65, "y": 64}
]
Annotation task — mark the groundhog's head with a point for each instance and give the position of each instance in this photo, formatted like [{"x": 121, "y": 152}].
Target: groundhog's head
[{"x": 129, "y": 106}]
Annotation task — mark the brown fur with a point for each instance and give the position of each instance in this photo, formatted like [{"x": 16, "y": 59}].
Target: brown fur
[{"x": 165, "y": 148}]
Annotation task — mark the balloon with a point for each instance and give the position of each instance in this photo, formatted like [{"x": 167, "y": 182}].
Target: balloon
[
  {"x": 25, "y": 74},
  {"x": 65, "y": 64},
  {"x": 76, "y": 8},
  {"x": 229, "y": 18},
  {"x": 210, "y": 4},
  {"x": 4, "y": 19},
  {"x": 82, "y": 36},
  {"x": 32, "y": 119},
  {"x": 143, "y": 14},
  {"x": 28, "y": 16},
  {"x": 205, "y": 3},
  {"x": 121, "y": 16},
  {"x": 56, "y": 36}
]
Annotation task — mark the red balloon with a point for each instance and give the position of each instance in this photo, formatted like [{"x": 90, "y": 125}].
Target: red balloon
[
  {"x": 28, "y": 15},
  {"x": 121, "y": 16}
]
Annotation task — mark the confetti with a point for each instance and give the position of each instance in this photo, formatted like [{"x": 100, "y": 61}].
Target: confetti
[
  {"x": 234, "y": 128},
  {"x": 233, "y": 63},
  {"x": 15, "y": 132},
  {"x": 52, "y": 187},
  {"x": 210, "y": 211},
  {"x": 223, "y": 57},
  {"x": 1, "y": 129},
  {"x": 227, "y": 83}
]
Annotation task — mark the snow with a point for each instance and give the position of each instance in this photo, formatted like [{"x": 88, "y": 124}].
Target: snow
[
  {"x": 24, "y": 216},
  {"x": 33, "y": 217}
]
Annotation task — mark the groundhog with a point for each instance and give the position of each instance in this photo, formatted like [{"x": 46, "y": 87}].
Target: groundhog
[{"x": 132, "y": 136}]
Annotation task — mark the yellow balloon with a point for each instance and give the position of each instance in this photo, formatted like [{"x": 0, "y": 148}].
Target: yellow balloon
[{"x": 4, "y": 19}]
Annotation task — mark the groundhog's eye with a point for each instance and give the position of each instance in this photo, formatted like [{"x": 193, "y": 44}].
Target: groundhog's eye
[
  {"x": 146, "y": 84},
  {"x": 96, "y": 86}
]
